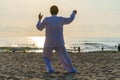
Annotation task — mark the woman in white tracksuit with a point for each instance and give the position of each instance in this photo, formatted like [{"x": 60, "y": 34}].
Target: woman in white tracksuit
[{"x": 54, "y": 39}]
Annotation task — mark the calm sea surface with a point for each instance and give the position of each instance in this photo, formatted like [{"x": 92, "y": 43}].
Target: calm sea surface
[{"x": 86, "y": 44}]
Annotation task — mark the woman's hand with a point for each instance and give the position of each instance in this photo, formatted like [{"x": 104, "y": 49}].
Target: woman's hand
[
  {"x": 75, "y": 11},
  {"x": 40, "y": 16}
]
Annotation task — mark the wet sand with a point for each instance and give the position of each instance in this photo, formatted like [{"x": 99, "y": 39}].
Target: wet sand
[{"x": 30, "y": 66}]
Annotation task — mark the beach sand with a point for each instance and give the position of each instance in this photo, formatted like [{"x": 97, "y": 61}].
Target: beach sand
[{"x": 30, "y": 66}]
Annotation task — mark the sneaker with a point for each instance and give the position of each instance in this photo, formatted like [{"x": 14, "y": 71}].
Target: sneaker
[
  {"x": 74, "y": 71},
  {"x": 50, "y": 71}
]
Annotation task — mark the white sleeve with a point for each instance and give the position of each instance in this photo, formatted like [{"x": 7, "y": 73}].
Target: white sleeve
[
  {"x": 41, "y": 25},
  {"x": 68, "y": 20}
]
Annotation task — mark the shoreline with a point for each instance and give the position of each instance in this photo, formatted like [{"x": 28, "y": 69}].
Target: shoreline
[{"x": 30, "y": 66}]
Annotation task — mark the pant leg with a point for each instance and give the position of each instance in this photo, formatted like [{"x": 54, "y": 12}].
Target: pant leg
[
  {"x": 47, "y": 51},
  {"x": 65, "y": 58}
]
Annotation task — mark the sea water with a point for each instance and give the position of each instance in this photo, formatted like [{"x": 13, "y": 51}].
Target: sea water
[
  {"x": 85, "y": 44},
  {"x": 94, "y": 44}
]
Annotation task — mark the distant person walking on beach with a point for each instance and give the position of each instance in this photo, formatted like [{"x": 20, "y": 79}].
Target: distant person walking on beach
[
  {"x": 102, "y": 48},
  {"x": 78, "y": 49},
  {"x": 118, "y": 47},
  {"x": 54, "y": 39}
]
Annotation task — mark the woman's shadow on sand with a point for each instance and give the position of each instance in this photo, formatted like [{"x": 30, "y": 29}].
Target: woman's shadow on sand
[
  {"x": 48, "y": 76},
  {"x": 59, "y": 76}
]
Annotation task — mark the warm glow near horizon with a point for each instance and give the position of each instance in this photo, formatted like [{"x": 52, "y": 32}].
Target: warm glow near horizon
[
  {"x": 38, "y": 41},
  {"x": 95, "y": 18}
]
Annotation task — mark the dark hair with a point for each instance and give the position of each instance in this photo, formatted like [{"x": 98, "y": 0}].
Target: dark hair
[{"x": 54, "y": 10}]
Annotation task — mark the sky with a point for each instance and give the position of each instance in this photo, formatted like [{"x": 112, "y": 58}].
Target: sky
[{"x": 95, "y": 18}]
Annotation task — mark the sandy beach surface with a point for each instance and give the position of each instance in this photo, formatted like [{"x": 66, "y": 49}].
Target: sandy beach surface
[{"x": 30, "y": 66}]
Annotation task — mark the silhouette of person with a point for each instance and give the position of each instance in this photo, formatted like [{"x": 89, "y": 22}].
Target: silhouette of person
[
  {"x": 118, "y": 47},
  {"x": 102, "y": 48},
  {"x": 78, "y": 49},
  {"x": 54, "y": 38},
  {"x": 74, "y": 48}
]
